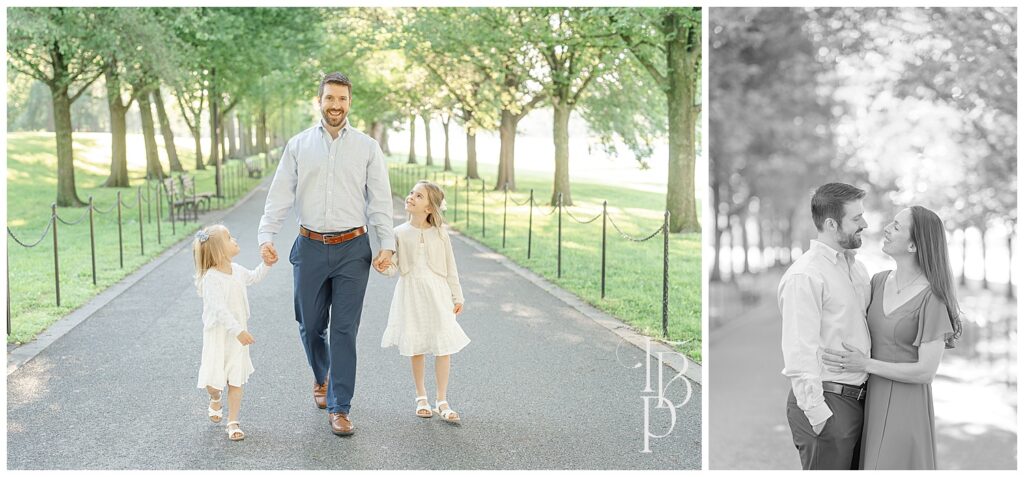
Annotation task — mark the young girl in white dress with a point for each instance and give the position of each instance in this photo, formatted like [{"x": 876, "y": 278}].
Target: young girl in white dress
[
  {"x": 427, "y": 298},
  {"x": 226, "y": 341}
]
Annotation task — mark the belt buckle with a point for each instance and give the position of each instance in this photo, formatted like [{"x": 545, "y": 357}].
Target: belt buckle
[{"x": 324, "y": 237}]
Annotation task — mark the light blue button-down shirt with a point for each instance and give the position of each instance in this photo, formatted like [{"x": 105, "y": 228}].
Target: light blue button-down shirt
[{"x": 334, "y": 185}]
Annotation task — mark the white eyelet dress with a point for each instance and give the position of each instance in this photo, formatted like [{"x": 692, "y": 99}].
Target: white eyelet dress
[
  {"x": 225, "y": 315},
  {"x": 422, "y": 320}
]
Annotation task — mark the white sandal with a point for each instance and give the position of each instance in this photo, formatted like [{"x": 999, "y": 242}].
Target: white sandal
[
  {"x": 215, "y": 414},
  {"x": 235, "y": 434},
  {"x": 423, "y": 407},
  {"x": 446, "y": 414}
]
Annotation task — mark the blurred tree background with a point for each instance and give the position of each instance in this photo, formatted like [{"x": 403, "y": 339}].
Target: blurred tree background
[
  {"x": 241, "y": 81},
  {"x": 918, "y": 106}
]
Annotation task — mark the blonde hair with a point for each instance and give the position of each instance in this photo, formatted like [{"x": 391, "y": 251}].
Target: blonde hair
[
  {"x": 435, "y": 195},
  {"x": 209, "y": 250}
]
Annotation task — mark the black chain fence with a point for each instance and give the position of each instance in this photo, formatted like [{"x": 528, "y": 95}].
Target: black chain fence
[
  {"x": 404, "y": 177},
  {"x": 179, "y": 196}
]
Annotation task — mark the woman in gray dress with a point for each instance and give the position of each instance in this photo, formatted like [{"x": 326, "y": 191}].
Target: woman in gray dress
[{"x": 912, "y": 317}]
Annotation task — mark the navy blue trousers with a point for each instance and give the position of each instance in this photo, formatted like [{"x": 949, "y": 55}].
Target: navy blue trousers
[{"x": 330, "y": 283}]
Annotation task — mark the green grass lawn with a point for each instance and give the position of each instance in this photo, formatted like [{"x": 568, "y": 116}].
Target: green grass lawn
[
  {"x": 633, "y": 270},
  {"x": 31, "y": 189}
]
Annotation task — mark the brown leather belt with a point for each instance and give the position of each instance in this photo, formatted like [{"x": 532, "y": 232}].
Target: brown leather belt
[
  {"x": 856, "y": 392},
  {"x": 332, "y": 238}
]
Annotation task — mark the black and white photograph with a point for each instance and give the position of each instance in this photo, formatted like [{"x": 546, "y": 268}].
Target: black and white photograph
[{"x": 863, "y": 185}]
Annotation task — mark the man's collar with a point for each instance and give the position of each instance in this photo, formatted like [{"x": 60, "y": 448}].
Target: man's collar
[
  {"x": 344, "y": 127},
  {"x": 832, "y": 254}
]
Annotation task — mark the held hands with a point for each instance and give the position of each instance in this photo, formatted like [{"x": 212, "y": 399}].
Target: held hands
[
  {"x": 268, "y": 253},
  {"x": 383, "y": 261},
  {"x": 458, "y": 308},
  {"x": 245, "y": 338},
  {"x": 852, "y": 360}
]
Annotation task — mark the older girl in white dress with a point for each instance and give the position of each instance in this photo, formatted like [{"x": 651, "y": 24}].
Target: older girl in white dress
[
  {"x": 427, "y": 298},
  {"x": 225, "y": 358}
]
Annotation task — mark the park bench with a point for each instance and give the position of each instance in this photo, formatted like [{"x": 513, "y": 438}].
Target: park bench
[
  {"x": 179, "y": 204},
  {"x": 252, "y": 165},
  {"x": 188, "y": 188}
]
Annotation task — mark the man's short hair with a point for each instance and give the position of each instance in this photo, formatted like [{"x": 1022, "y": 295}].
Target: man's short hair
[
  {"x": 336, "y": 78},
  {"x": 830, "y": 200}
]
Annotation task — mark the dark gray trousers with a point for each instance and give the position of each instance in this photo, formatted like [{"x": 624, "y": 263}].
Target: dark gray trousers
[{"x": 838, "y": 445}]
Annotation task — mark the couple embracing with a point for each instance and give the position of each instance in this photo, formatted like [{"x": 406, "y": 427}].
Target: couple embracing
[
  {"x": 860, "y": 352},
  {"x": 335, "y": 179}
]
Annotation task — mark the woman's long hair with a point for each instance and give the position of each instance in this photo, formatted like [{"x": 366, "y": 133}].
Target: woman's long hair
[{"x": 929, "y": 235}]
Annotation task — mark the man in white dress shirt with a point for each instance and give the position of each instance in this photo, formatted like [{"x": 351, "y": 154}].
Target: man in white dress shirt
[
  {"x": 823, "y": 298},
  {"x": 335, "y": 178}
]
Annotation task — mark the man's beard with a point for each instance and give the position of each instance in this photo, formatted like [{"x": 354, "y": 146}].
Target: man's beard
[
  {"x": 329, "y": 121},
  {"x": 849, "y": 241}
]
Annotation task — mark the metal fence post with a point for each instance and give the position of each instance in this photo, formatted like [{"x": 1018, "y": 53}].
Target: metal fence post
[
  {"x": 504, "y": 216},
  {"x": 559, "y": 235},
  {"x": 456, "y": 219},
  {"x": 159, "y": 208},
  {"x": 56, "y": 256},
  {"x": 170, "y": 209},
  {"x": 529, "y": 229},
  {"x": 92, "y": 240},
  {"x": 120, "y": 235},
  {"x": 604, "y": 242},
  {"x": 664, "y": 280},
  {"x": 138, "y": 203},
  {"x": 149, "y": 203}
]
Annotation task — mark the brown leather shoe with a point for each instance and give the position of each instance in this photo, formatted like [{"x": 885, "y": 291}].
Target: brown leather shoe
[
  {"x": 320, "y": 394},
  {"x": 340, "y": 424}
]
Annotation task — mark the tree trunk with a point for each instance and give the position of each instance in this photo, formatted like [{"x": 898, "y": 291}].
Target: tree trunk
[
  {"x": 197, "y": 136},
  {"x": 154, "y": 170},
  {"x": 261, "y": 131},
  {"x": 716, "y": 274},
  {"x": 788, "y": 237},
  {"x": 67, "y": 195},
  {"x": 561, "y": 133},
  {"x": 683, "y": 53},
  {"x": 963, "y": 257},
  {"x": 118, "y": 132},
  {"x": 1009, "y": 266},
  {"x": 445, "y": 122},
  {"x": 506, "y": 154},
  {"x": 244, "y": 136},
  {"x": 426, "y": 133},
  {"x": 384, "y": 147},
  {"x": 214, "y": 142},
  {"x": 166, "y": 132},
  {"x": 412, "y": 139},
  {"x": 984, "y": 257},
  {"x": 761, "y": 239},
  {"x": 471, "y": 170},
  {"x": 214, "y": 139},
  {"x": 231, "y": 132},
  {"x": 744, "y": 240},
  {"x": 376, "y": 131}
]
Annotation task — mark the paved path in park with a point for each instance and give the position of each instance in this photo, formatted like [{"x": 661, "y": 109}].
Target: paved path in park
[
  {"x": 541, "y": 386},
  {"x": 975, "y": 414}
]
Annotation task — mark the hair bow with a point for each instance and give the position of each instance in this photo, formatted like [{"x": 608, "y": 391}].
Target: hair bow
[
  {"x": 202, "y": 236},
  {"x": 444, "y": 205}
]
